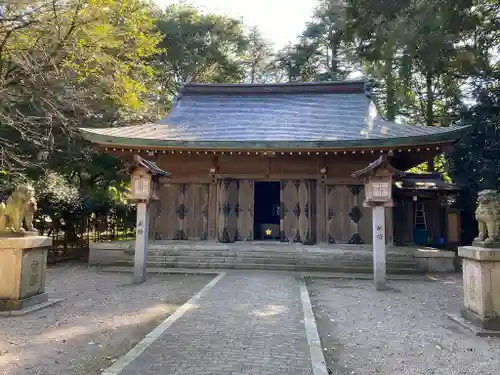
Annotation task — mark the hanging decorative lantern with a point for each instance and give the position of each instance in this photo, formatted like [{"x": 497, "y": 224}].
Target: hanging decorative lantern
[
  {"x": 378, "y": 182},
  {"x": 145, "y": 179}
]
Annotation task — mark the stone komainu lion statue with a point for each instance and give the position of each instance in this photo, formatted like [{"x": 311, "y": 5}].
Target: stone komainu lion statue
[
  {"x": 20, "y": 206},
  {"x": 488, "y": 216}
]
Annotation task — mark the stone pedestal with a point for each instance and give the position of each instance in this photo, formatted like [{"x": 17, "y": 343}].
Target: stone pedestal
[
  {"x": 23, "y": 264},
  {"x": 481, "y": 281}
]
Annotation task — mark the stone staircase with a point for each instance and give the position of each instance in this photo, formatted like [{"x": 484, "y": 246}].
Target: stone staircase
[{"x": 270, "y": 256}]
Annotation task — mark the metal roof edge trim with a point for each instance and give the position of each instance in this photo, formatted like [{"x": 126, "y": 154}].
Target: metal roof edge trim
[{"x": 443, "y": 137}]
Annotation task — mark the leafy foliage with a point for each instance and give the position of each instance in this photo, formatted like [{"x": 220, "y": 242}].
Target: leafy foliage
[
  {"x": 475, "y": 161},
  {"x": 259, "y": 60},
  {"x": 321, "y": 51},
  {"x": 198, "y": 48},
  {"x": 66, "y": 64}
]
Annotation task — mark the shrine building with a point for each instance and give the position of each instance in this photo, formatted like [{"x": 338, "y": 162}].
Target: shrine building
[{"x": 274, "y": 162}]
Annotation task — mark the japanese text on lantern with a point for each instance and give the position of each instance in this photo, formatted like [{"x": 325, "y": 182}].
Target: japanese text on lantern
[
  {"x": 140, "y": 227},
  {"x": 380, "y": 232}
]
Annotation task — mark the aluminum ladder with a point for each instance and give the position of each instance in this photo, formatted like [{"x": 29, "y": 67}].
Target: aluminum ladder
[{"x": 420, "y": 220}]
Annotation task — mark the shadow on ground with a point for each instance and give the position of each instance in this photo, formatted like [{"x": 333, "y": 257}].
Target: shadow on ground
[{"x": 102, "y": 317}]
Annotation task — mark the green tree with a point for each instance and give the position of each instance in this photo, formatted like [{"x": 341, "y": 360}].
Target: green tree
[
  {"x": 475, "y": 160},
  {"x": 198, "y": 48},
  {"x": 375, "y": 33},
  {"x": 259, "y": 58},
  {"x": 321, "y": 52},
  {"x": 415, "y": 50},
  {"x": 64, "y": 65},
  {"x": 69, "y": 64},
  {"x": 64, "y": 69},
  {"x": 290, "y": 64}
]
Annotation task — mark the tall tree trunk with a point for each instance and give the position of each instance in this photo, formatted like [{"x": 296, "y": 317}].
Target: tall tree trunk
[
  {"x": 390, "y": 87},
  {"x": 334, "y": 62},
  {"x": 429, "y": 112},
  {"x": 390, "y": 91}
]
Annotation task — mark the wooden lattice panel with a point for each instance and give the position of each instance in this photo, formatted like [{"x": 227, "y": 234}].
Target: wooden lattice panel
[
  {"x": 196, "y": 219},
  {"x": 221, "y": 209},
  {"x": 304, "y": 218},
  {"x": 246, "y": 194},
  {"x": 228, "y": 210},
  {"x": 347, "y": 220},
  {"x": 232, "y": 216},
  {"x": 169, "y": 220},
  {"x": 365, "y": 229},
  {"x": 290, "y": 211}
]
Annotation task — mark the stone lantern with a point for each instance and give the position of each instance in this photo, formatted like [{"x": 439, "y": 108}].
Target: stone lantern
[
  {"x": 145, "y": 177},
  {"x": 378, "y": 195}
]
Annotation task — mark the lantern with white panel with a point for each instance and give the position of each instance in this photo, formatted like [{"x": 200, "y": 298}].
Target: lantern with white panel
[
  {"x": 145, "y": 179},
  {"x": 378, "y": 195},
  {"x": 378, "y": 189},
  {"x": 141, "y": 185}
]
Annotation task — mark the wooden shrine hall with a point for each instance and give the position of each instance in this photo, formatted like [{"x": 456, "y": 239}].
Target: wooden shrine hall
[{"x": 274, "y": 162}]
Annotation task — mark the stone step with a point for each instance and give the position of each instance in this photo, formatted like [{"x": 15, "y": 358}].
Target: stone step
[
  {"x": 277, "y": 250},
  {"x": 272, "y": 260},
  {"x": 274, "y": 255},
  {"x": 346, "y": 268},
  {"x": 161, "y": 261}
]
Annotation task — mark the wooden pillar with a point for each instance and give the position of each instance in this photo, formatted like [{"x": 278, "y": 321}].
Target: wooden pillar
[
  {"x": 245, "y": 210},
  {"x": 212, "y": 201},
  {"x": 212, "y": 210},
  {"x": 321, "y": 210},
  {"x": 153, "y": 210},
  {"x": 141, "y": 243}
]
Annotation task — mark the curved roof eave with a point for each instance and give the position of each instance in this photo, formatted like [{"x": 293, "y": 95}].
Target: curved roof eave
[{"x": 410, "y": 141}]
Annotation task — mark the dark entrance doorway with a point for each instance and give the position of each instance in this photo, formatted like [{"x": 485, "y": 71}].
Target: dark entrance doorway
[{"x": 267, "y": 210}]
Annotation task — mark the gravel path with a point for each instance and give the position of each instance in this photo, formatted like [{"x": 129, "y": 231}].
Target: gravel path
[
  {"x": 402, "y": 331},
  {"x": 102, "y": 317}
]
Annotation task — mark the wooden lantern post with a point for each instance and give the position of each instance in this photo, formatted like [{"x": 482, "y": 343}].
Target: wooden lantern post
[
  {"x": 145, "y": 182},
  {"x": 378, "y": 195}
]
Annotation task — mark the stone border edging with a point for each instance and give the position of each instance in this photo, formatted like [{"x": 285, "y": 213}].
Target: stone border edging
[
  {"x": 313, "y": 341},
  {"x": 152, "y": 336}
]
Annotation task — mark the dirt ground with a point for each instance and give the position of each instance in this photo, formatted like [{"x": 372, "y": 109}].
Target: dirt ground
[
  {"x": 402, "y": 331},
  {"x": 102, "y": 317}
]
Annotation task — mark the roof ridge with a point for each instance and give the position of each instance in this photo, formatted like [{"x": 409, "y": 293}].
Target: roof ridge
[{"x": 341, "y": 87}]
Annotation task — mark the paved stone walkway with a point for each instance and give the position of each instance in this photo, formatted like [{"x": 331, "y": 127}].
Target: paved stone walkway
[{"x": 248, "y": 323}]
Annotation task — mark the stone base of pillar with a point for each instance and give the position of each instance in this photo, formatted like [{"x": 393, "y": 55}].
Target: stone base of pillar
[
  {"x": 489, "y": 323},
  {"x": 484, "y": 244},
  {"x": 471, "y": 327},
  {"x": 23, "y": 267},
  {"x": 481, "y": 278}
]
